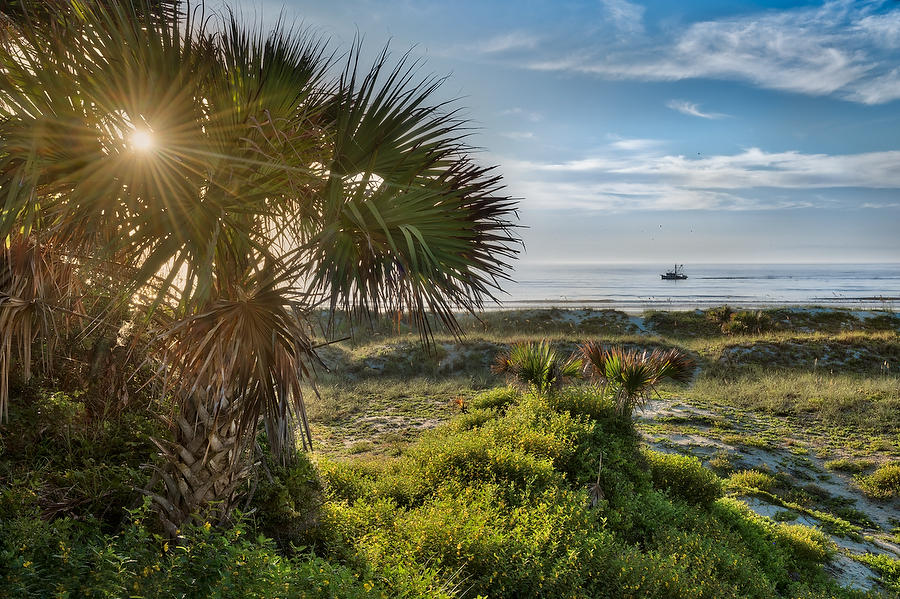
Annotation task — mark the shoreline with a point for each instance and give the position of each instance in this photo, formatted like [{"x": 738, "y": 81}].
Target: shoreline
[{"x": 636, "y": 307}]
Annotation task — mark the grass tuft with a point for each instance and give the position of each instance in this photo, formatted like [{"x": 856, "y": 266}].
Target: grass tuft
[{"x": 883, "y": 484}]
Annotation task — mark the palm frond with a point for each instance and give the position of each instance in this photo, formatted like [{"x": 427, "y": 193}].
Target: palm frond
[
  {"x": 265, "y": 176},
  {"x": 233, "y": 120},
  {"x": 537, "y": 365},
  {"x": 674, "y": 365},
  {"x": 408, "y": 221},
  {"x": 249, "y": 350},
  {"x": 37, "y": 299},
  {"x": 630, "y": 375}
]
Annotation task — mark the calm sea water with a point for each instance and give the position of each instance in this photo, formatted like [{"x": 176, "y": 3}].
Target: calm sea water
[{"x": 636, "y": 287}]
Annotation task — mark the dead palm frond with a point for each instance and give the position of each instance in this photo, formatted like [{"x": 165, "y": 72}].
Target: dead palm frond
[
  {"x": 37, "y": 301},
  {"x": 629, "y": 376},
  {"x": 250, "y": 347}
]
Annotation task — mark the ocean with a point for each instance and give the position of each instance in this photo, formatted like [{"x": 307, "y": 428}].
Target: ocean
[{"x": 638, "y": 287}]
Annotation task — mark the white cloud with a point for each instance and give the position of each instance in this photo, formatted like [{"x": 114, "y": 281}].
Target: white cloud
[
  {"x": 876, "y": 206},
  {"x": 636, "y": 197},
  {"x": 744, "y": 181},
  {"x": 878, "y": 90},
  {"x": 751, "y": 168},
  {"x": 693, "y": 109},
  {"x": 841, "y": 48},
  {"x": 634, "y": 145},
  {"x": 882, "y": 29}
]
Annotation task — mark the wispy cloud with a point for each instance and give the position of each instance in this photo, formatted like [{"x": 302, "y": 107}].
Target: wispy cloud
[
  {"x": 884, "y": 28},
  {"x": 877, "y": 206},
  {"x": 751, "y": 168},
  {"x": 506, "y": 42},
  {"x": 627, "y": 17},
  {"x": 518, "y": 135},
  {"x": 751, "y": 179},
  {"x": 633, "y": 144},
  {"x": 843, "y": 48},
  {"x": 693, "y": 109},
  {"x": 878, "y": 90},
  {"x": 529, "y": 115}
]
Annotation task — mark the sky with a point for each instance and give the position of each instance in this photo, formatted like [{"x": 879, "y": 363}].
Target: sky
[{"x": 656, "y": 131}]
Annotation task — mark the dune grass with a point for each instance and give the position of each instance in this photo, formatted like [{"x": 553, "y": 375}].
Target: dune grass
[{"x": 865, "y": 402}]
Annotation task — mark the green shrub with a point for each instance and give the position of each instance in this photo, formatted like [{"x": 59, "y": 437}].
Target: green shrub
[
  {"x": 882, "y": 484},
  {"x": 66, "y": 558},
  {"x": 60, "y": 463},
  {"x": 807, "y": 543},
  {"x": 496, "y": 504},
  {"x": 287, "y": 504},
  {"x": 720, "y": 314},
  {"x": 804, "y": 543},
  {"x": 584, "y": 401},
  {"x": 549, "y": 546},
  {"x": 469, "y": 459},
  {"x": 683, "y": 477},
  {"x": 692, "y": 323},
  {"x": 746, "y": 480},
  {"x": 498, "y": 398},
  {"x": 473, "y": 419},
  {"x": 756, "y": 322},
  {"x": 348, "y": 480},
  {"x": 530, "y": 426}
]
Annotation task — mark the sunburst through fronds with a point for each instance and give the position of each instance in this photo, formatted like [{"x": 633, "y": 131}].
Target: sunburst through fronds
[{"x": 233, "y": 182}]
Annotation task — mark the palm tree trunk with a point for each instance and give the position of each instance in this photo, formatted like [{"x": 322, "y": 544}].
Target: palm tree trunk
[{"x": 204, "y": 464}]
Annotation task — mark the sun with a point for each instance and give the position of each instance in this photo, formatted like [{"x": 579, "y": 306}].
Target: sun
[{"x": 142, "y": 140}]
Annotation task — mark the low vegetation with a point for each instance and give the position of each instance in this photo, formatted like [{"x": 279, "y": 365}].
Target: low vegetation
[
  {"x": 430, "y": 477},
  {"x": 882, "y": 484},
  {"x": 748, "y": 480},
  {"x": 684, "y": 477},
  {"x": 495, "y": 502},
  {"x": 537, "y": 366}
]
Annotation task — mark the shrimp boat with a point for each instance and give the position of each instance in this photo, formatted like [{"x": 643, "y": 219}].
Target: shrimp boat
[{"x": 676, "y": 274}]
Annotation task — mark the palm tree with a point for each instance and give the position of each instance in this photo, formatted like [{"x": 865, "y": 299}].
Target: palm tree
[
  {"x": 234, "y": 185},
  {"x": 630, "y": 376}
]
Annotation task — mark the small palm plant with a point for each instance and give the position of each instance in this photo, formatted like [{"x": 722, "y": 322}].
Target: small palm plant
[
  {"x": 630, "y": 376},
  {"x": 747, "y": 322},
  {"x": 537, "y": 365},
  {"x": 721, "y": 316}
]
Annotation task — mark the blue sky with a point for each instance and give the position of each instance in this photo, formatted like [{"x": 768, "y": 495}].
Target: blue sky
[{"x": 656, "y": 131}]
